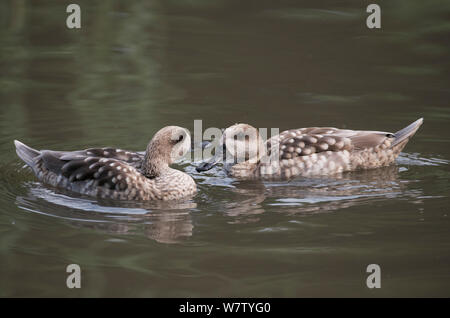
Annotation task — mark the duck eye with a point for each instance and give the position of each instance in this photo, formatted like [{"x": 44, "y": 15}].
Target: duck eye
[{"x": 180, "y": 138}]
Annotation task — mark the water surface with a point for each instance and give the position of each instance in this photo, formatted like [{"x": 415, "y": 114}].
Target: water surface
[{"x": 135, "y": 67}]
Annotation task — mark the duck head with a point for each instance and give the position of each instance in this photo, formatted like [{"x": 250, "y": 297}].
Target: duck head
[
  {"x": 168, "y": 145},
  {"x": 239, "y": 143}
]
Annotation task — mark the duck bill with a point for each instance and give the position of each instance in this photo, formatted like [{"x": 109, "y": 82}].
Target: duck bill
[{"x": 211, "y": 162}]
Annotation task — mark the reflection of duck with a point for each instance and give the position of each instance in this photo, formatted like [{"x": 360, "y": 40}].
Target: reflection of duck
[
  {"x": 341, "y": 191},
  {"x": 162, "y": 221},
  {"x": 118, "y": 174},
  {"x": 351, "y": 184},
  {"x": 314, "y": 195},
  {"x": 167, "y": 226},
  {"x": 306, "y": 151},
  {"x": 247, "y": 204}
]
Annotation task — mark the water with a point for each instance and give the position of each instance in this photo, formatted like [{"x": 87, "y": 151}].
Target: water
[{"x": 134, "y": 68}]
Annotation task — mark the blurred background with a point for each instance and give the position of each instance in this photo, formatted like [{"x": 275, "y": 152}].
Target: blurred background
[{"x": 136, "y": 66}]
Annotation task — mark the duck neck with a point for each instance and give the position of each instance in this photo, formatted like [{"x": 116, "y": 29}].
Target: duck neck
[{"x": 155, "y": 163}]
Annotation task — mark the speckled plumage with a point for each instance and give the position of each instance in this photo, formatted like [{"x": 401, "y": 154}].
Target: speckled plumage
[
  {"x": 115, "y": 173},
  {"x": 310, "y": 151}
]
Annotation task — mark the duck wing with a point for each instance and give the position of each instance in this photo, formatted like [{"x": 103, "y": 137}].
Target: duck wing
[
  {"x": 306, "y": 141},
  {"x": 105, "y": 177},
  {"x": 107, "y": 172},
  {"x": 134, "y": 159}
]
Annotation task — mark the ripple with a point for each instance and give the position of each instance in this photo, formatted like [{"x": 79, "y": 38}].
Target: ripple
[
  {"x": 163, "y": 222},
  {"x": 415, "y": 159},
  {"x": 242, "y": 201},
  {"x": 77, "y": 203}
]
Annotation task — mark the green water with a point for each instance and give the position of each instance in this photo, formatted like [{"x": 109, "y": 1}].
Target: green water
[{"x": 135, "y": 67}]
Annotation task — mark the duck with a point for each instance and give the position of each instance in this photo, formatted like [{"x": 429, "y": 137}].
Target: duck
[
  {"x": 117, "y": 174},
  {"x": 305, "y": 151}
]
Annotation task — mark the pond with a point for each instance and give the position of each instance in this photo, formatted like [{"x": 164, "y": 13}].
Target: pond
[{"x": 135, "y": 67}]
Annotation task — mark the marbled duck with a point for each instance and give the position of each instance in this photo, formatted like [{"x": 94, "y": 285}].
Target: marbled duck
[
  {"x": 115, "y": 173},
  {"x": 306, "y": 151}
]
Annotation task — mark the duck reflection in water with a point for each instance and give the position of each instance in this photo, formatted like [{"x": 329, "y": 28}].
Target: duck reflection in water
[
  {"x": 163, "y": 222},
  {"x": 314, "y": 195},
  {"x": 246, "y": 202}
]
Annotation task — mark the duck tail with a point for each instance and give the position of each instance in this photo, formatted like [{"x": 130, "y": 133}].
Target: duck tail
[
  {"x": 403, "y": 135},
  {"x": 26, "y": 153}
]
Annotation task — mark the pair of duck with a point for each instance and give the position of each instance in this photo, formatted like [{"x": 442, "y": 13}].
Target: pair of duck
[{"x": 126, "y": 175}]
